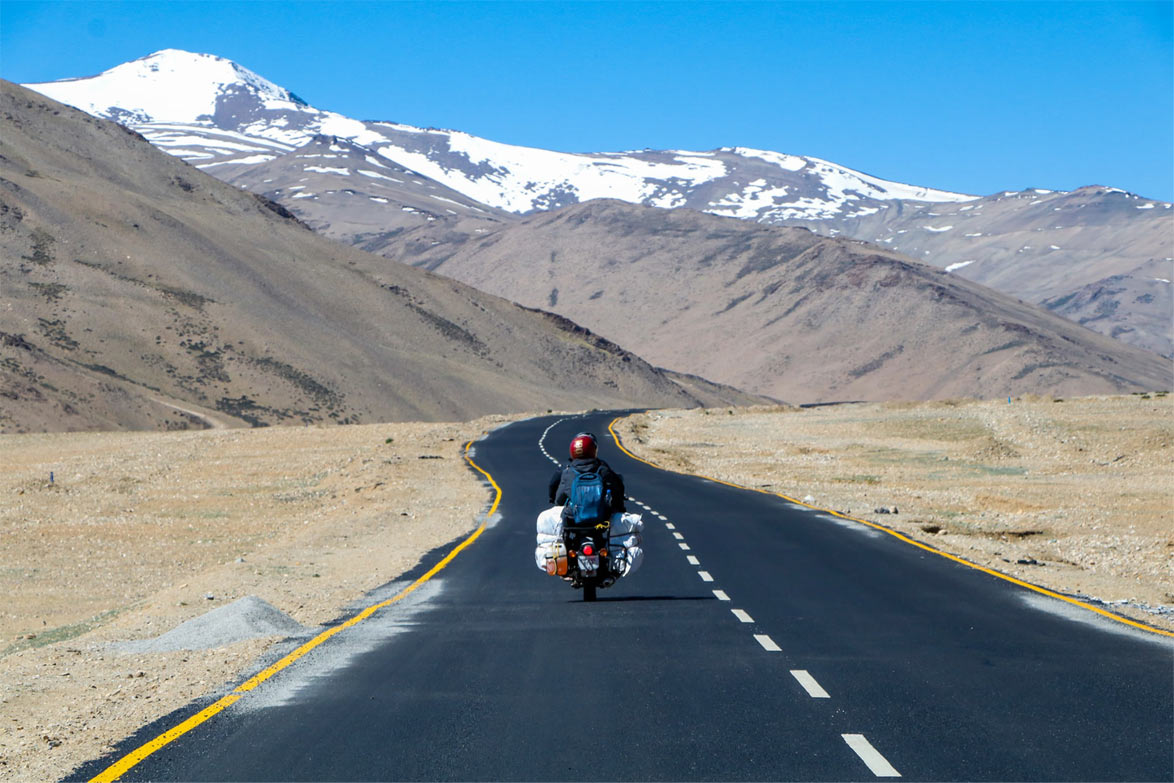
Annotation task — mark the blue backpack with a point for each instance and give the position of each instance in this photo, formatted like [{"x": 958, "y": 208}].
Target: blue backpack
[{"x": 588, "y": 503}]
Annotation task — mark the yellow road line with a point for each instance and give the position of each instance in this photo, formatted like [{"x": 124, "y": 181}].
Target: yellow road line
[
  {"x": 902, "y": 537},
  {"x": 123, "y": 765}
]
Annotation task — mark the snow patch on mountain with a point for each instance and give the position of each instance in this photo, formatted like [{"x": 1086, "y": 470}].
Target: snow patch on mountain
[
  {"x": 521, "y": 179},
  {"x": 245, "y": 161},
  {"x": 352, "y": 130},
  {"x": 842, "y": 182},
  {"x": 377, "y": 175},
  {"x": 783, "y": 161},
  {"x": 750, "y": 201},
  {"x": 163, "y": 133}
]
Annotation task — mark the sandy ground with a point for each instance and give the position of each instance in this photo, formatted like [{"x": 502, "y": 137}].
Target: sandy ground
[
  {"x": 139, "y": 532},
  {"x": 1074, "y": 495}
]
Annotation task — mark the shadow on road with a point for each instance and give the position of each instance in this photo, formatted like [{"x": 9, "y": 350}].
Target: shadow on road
[{"x": 618, "y": 599}]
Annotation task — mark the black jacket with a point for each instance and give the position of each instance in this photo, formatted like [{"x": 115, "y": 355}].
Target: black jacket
[{"x": 560, "y": 482}]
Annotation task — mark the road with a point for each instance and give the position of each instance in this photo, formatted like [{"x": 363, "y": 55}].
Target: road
[{"x": 760, "y": 641}]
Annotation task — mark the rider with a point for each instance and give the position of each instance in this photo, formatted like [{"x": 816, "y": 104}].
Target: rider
[{"x": 583, "y": 460}]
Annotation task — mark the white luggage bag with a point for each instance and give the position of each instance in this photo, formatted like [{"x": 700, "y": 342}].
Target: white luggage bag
[{"x": 624, "y": 543}]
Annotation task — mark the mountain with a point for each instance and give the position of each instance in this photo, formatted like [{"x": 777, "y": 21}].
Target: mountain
[
  {"x": 221, "y": 116},
  {"x": 344, "y": 192},
  {"x": 1042, "y": 246},
  {"x": 1052, "y": 248},
  {"x": 141, "y": 293},
  {"x": 785, "y": 312}
]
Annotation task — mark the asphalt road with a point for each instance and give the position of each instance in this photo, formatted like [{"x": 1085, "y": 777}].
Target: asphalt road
[{"x": 760, "y": 641}]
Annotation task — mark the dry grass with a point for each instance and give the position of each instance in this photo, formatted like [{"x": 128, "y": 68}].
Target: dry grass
[
  {"x": 137, "y": 529},
  {"x": 1075, "y": 495}
]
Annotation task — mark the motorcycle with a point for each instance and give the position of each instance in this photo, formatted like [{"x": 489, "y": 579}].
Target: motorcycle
[
  {"x": 589, "y": 556},
  {"x": 588, "y": 563}
]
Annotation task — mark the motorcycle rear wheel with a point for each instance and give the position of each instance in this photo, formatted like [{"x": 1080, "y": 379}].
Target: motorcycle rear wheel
[{"x": 589, "y": 590}]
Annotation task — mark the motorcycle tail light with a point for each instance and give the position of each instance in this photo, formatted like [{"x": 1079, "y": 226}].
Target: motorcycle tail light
[{"x": 588, "y": 550}]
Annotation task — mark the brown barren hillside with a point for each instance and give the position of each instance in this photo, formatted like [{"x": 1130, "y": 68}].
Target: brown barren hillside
[
  {"x": 783, "y": 312},
  {"x": 141, "y": 293}
]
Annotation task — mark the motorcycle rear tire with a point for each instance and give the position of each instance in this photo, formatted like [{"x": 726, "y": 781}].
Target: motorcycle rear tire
[{"x": 589, "y": 590}]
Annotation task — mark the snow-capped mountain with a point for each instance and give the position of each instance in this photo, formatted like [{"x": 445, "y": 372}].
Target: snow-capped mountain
[
  {"x": 173, "y": 86},
  {"x": 376, "y": 184},
  {"x": 220, "y": 117}
]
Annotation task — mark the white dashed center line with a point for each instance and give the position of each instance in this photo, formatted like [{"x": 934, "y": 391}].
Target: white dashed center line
[
  {"x": 767, "y": 643},
  {"x": 869, "y": 755},
  {"x": 857, "y": 742},
  {"x": 813, "y": 688},
  {"x": 742, "y": 615}
]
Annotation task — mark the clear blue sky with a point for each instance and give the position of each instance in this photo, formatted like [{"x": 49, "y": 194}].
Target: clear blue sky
[{"x": 972, "y": 97}]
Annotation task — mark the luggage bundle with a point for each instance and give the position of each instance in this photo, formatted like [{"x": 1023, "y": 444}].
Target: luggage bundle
[{"x": 625, "y": 552}]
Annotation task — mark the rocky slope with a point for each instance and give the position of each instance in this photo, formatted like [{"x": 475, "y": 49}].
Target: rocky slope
[
  {"x": 343, "y": 191},
  {"x": 784, "y": 312},
  {"x": 1098, "y": 256},
  {"x": 141, "y": 293}
]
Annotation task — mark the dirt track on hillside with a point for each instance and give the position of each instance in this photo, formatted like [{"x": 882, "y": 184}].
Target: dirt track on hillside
[
  {"x": 1074, "y": 495},
  {"x": 139, "y": 532}
]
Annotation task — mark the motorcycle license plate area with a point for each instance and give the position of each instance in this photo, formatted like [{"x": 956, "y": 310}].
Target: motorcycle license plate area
[{"x": 589, "y": 563}]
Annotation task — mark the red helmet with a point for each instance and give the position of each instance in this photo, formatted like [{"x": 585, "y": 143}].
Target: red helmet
[{"x": 583, "y": 446}]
